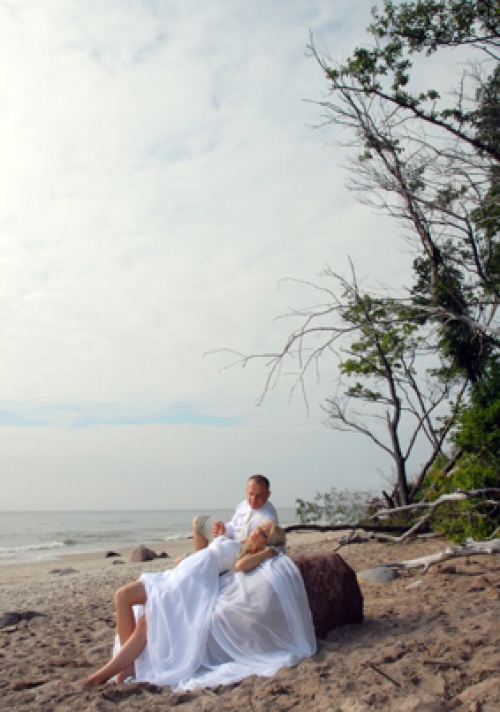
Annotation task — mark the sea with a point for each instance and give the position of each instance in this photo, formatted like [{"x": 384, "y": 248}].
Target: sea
[{"x": 42, "y": 536}]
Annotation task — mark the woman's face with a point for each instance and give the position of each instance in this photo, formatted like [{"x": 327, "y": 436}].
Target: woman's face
[{"x": 260, "y": 535}]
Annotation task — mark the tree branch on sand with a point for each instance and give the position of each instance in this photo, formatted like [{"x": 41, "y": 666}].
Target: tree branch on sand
[
  {"x": 490, "y": 495},
  {"x": 481, "y": 494},
  {"x": 470, "y": 548}
]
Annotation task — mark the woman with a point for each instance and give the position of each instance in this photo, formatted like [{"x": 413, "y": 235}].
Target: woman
[{"x": 204, "y": 629}]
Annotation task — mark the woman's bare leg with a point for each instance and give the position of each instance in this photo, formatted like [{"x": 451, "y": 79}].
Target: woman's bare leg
[
  {"x": 123, "y": 660},
  {"x": 125, "y": 598}
]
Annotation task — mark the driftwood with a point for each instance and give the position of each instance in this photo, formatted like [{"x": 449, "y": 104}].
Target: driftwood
[
  {"x": 443, "y": 663},
  {"x": 357, "y": 538},
  {"x": 459, "y": 496},
  {"x": 381, "y": 672},
  {"x": 470, "y": 548},
  {"x": 490, "y": 495},
  {"x": 343, "y": 527}
]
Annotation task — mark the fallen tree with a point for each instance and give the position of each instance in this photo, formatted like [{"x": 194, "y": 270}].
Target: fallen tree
[
  {"x": 469, "y": 548},
  {"x": 489, "y": 495}
]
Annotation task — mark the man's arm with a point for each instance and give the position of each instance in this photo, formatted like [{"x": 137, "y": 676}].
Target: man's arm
[{"x": 236, "y": 521}]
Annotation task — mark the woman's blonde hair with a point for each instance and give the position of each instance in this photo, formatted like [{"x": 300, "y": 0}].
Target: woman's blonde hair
[{"x": 277, "y": 537}]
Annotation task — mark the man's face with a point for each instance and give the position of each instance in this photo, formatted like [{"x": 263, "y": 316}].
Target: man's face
[{"x": 257, "y": 494}]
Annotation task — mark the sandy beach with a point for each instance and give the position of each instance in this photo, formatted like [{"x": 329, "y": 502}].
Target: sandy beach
[{"x": 429, "y": 642}]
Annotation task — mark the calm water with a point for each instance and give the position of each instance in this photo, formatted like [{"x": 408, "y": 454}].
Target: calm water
[{"x": 36, "y": 536}]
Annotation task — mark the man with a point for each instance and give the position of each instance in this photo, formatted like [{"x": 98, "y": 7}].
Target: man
[{"x": 249, "y": 514}]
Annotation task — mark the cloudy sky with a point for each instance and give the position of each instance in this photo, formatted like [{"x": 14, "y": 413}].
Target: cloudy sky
[{"x": 160, "y": 175}]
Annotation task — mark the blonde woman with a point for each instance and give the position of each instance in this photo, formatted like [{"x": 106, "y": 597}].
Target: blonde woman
[{"x": 177, "y": 626}]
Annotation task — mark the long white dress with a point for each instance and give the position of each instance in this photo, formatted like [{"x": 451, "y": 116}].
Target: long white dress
[{"x": 206, "y": 629}]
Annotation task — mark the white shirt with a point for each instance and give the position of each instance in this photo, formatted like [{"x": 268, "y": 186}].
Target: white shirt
[{"x": 257, "y": 517}]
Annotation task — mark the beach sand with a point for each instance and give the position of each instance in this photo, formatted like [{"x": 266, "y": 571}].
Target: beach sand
[{"x": 437, "y": 642}]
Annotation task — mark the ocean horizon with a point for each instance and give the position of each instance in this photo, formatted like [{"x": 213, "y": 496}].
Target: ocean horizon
[{"x": 43, "y": 536}]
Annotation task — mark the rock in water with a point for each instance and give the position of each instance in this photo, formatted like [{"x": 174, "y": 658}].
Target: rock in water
[
  {"x": 142, "y": 553},
  {"x": 333, "y": 591}
]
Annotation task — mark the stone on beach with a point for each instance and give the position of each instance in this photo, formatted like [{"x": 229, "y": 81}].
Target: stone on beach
[
  {"x": 142, "y": 553},
  {"x": 10, "y": 618},
  {"x": 380, "y": 574},
  {"x": 332, "y": 589},
  {"x": 110, "y": 554}
]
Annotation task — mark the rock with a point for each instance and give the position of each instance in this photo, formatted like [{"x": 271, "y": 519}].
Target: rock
[
  {"x": 109, "y": 554},
  {"x": 425, "y": 703},
  {"x": 142, "y": 553},
  {"x": 380, "y": 574},
  {"x": 10, "y": 618},
  {"x": 117, "y": 561},
  {"x": 163, "y": 555},
  {"x": 333, "y": 591}
]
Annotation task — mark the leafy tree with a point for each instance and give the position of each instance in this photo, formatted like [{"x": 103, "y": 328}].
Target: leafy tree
[
  {"x": 477, "y": 434},
  {"x": 392, "y": 386},
  {"x": 432, "y": 165},
  {"x": 404, "y": 29}
]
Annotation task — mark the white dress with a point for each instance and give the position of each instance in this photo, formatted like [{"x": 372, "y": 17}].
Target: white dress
[{"x": 204, "y": 629}]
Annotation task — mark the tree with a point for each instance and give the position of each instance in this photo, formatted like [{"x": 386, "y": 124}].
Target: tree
[
  {"x": 432, "y": 167},
  {"x": 432, "y": 164},
  {"x": 393, "y": 386}
]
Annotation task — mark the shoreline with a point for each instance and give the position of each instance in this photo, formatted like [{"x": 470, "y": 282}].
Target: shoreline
[{"x": 96, "y": 561}]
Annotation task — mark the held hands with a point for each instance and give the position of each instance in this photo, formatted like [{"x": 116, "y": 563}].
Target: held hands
[{"x": 218, "y": 529}]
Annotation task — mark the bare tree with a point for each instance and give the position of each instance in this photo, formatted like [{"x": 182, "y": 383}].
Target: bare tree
[{"x": 391, "y": 377}]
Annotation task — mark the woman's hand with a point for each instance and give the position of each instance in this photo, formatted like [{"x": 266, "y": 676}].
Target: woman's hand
[{"x": 251, "y": 561}]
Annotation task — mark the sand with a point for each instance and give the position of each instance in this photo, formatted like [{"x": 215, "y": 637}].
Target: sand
[{"x": 433, "y": 646}]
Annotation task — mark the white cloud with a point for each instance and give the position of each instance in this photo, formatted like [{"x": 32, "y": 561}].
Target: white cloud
[{"x": 158, "y": 179}]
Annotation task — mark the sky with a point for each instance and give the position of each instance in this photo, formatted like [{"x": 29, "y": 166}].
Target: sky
[{"x": 163, "y": 170}]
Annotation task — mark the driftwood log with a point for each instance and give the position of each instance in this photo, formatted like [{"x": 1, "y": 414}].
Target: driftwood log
[
  {"x": 355, "y": 537},
  {"x": 470, "y": 548},
  {"x": 489, "y": 495}
]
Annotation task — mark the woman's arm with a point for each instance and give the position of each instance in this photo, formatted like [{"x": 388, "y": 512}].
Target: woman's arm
[{"x": 251, "y": 561}]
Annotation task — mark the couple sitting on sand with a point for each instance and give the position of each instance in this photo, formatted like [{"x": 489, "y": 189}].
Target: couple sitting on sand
[{"x": 237, "y": 607}]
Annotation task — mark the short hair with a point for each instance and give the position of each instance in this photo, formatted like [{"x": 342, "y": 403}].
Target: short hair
[{"x": 260, "y": 480}]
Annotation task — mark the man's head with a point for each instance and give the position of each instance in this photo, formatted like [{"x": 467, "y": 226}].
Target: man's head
[{"x": 257, "y": 491}]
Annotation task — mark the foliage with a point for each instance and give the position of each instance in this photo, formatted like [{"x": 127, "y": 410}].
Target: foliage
[
  {"x": 406, "y": 28},
  {"x": 383, "y": 369},
  {"x": 432, "y": 163},
  {"x": 477, "y": 433},
  {"x": 334, "y": 507}
]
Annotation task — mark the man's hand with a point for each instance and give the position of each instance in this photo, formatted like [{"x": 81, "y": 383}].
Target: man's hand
[{"x": 218, "y": 529}]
